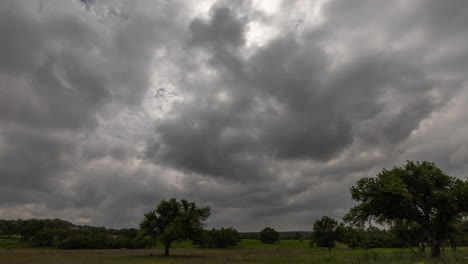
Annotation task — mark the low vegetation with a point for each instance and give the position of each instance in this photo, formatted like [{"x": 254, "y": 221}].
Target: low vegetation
[
  {"x": 218, "y": 238},
  {"x": 269, "y": 235},
  {"x": 56, "y": 233}
]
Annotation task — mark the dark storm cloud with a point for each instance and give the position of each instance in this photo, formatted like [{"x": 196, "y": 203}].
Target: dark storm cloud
[
  {"x": 266, "y": 133},
  {"x": 284, "y": 102}
]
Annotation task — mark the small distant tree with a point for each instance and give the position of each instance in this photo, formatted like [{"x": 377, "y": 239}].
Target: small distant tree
[
  {"x": 325, "y": 232},
  {"x": 298, "y": 236},
  {"x": 174, "y": 221},
  {"x": 218, "y": 238},
  {"x": 353, "y": 237},
  {"x": 269, "y": 235}
]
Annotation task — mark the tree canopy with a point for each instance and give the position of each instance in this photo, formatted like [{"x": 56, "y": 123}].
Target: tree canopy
[
  {"x": 218, "y": 238},
  {"x": 325, "y": 232},
  {"x": 174, "y": 221},
  {"x": 418, "y": 193},
  {"x": 269, "y": 235}
]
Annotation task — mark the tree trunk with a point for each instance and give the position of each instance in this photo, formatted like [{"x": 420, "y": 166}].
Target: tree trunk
[
  {"x": 166, "y": 248},
  {"x": 435, "y": 249}
]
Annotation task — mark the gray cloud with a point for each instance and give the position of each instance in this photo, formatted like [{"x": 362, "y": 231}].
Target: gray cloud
[
  {"x": 284, "y": 102},
  {"x": 106, "y": 107},
  {"x": 62, "y": 75}
]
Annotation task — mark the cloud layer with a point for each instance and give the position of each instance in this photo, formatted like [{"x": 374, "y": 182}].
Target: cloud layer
[{"x": 268, "y": 114}]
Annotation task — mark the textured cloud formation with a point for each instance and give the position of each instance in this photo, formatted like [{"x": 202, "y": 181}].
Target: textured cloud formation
[{"x": 266, "y": 113}]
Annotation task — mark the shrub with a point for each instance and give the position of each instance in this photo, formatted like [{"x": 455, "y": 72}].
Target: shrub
[{"x": 269, "y": 235}]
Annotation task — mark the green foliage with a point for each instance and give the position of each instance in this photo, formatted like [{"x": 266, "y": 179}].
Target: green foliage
[
  {"x": 408, "y": 234},
  {"x": 250, "y": 235},
  {"x": 298, "y": 236},
  {"x": 282, "y": 244},
  {"x": 27, "y": 229},
  {"x": 174, "y": 221},
  {"x": 269, "y": 235},
  {"x": 353, "y": 237},
  {"x": 460, "y": 234},
  {"x": 65, "y": 235},
  {"x": 219, "y": 238},
  {"x": 325, "y": 232},
  {"x": 418, "y": 192},
  {"x": 377, "y": 238},
  {"x": 45, "y": 238},
  {"x": 126, "y": 232},
  {"x": 367, "y": 238},
  {"x": 8, "y": 227},
  {"x": 101, "y": 238}
]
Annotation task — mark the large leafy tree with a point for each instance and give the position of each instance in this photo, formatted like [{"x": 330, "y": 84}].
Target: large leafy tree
[
  {"x": 419, "y": 193},
  {"x": 325, "y": 232},
  {"x": 174, "y": 221}
]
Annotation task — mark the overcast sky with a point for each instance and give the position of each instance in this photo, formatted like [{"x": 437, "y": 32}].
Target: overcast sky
[{"x": 266, "y": 111}]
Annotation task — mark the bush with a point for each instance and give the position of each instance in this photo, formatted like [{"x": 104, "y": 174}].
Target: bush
[
  {"x": 45, "y": 238},
  {"x": 269, "y": 235},
  {"x": 75, "y": 241},
  {"x": 224, "y": 237},
  {"x": 141, "y": 241},
  {"x": 218, "y": 238}
]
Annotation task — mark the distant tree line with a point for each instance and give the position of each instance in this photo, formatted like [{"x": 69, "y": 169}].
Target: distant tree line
[
  {"x": 283, "y": 235},
  {"x": 326, "y": 232},
  {"x": 65, "y": 235}
]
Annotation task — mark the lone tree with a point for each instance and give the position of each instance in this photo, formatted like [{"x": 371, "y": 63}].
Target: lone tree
[
  {"x": 269, "y": 235},
  {"x": 325, "y": 232},
  {"x": 174, "y": 221},
  {"x": 418, "y": 193}
]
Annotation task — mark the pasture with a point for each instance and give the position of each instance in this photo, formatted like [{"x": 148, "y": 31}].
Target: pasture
[{"x": 249, "y": 251}]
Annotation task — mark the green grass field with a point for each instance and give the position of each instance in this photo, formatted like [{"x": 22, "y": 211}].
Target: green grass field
[
  {"x": 249, "y": 251},
  {"x": 13, "y": 243}
]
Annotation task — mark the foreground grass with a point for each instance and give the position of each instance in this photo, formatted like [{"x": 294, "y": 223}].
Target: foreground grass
[
  {"x": 200, "y": 256},
  {"x": 249, "y": 251}
]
